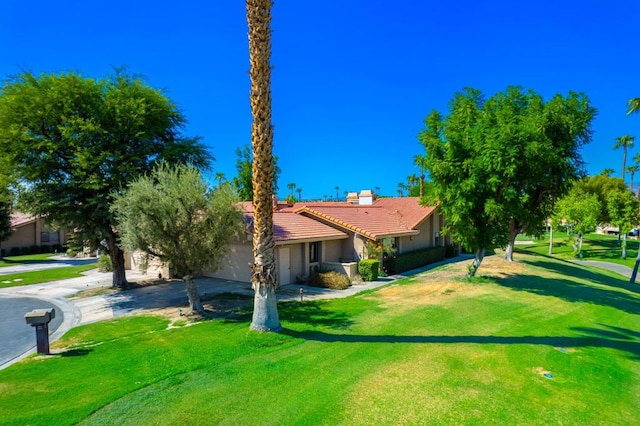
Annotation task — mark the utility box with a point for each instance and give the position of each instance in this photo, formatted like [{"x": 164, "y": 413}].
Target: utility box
[{"x": 39, "y": 319}]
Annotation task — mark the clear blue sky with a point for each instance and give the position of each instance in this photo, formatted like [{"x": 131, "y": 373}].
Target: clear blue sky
[{"x": 353, "y": 79}]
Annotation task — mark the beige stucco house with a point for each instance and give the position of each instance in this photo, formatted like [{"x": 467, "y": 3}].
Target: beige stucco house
[
  {"x": 32, "y": 231},
  {"x": 336, "y": 235}
]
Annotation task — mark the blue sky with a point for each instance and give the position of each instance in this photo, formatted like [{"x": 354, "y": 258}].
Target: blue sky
[{"x": 352, "y": 80}]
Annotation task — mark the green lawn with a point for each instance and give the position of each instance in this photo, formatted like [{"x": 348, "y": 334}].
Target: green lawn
[
  {"x": 595, "y": 247},
  {"x": 25, "y": 259},
  {"x": 43, "y": 276},
  {"x": 437, "y": 349}
]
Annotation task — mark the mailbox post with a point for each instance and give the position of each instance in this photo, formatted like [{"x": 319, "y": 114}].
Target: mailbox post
[{"x": 39, "y": 319}]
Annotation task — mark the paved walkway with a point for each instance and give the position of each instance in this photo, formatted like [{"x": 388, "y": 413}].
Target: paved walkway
[{"x": 614, "y": 267}]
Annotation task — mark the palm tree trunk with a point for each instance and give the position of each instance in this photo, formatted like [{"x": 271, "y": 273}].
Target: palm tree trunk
[{"x": 263, "y": 273}]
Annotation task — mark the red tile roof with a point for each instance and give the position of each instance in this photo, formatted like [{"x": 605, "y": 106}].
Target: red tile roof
[
  {"x": 19, "y": 219},
  {"x": 288, "y": 226},
  {"x": 386, "y": 217}
]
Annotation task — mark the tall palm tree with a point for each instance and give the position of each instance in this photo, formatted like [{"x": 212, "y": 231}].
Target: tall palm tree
[
  {"x": 292, "y": 187},
  {"x": 632, "y": 171},
  {"x": 624, "y": 142},
  {"x": 299, "y": 190},
  {"x": 633, "y": 105},
  {"x": 264, "y": 279},
  {"x": 420, "y": 161},
  {"x": 337, "y": 188}
]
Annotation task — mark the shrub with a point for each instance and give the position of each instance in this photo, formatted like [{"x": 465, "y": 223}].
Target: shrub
[
  {"x": 368, "y": 269},
  {"x": 415, "y": 259},
  {"x": 25, "y": 251},
  {"x": 451, "y": 251},
  {"x": 15, "y": 251},
  {"x": 104, "y": 264},
  {"x": 329, "y": 279},
  {"x": 71, "y": 252}
]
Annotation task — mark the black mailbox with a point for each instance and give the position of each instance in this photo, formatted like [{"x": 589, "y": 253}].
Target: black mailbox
[{"x": 40, "y": 318}]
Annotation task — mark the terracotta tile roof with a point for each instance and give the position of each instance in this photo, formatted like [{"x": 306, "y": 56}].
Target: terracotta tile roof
[
  {"x": 288, "y": 226},
  {"x": 19, "y": 219},
  {"x": 386, "y": 217}
]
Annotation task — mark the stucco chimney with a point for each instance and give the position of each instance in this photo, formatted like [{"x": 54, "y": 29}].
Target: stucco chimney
[
  {"x": 365, "y": 197},
  {"x": 352, "y": 198}
]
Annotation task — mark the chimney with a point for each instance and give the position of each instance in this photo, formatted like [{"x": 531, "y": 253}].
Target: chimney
[
  {"x": 366, "y": 197},
  {"x": 352, "y": 198}
]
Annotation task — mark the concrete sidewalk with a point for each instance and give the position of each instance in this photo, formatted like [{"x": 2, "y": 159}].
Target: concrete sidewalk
[{"x": 614, "y": 267}]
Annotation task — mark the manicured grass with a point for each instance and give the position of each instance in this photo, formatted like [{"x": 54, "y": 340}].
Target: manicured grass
[
  {"x": 437, "y": 349},
  {"x": 25, "y": 259},
  {"x": 43, "y": 276},
  {"x": 595, "y": 247}
]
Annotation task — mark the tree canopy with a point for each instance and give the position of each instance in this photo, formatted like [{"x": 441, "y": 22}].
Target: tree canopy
[
  {"x": 173, "y": 216},
  {"x": 243, "y": 181},
  {"x": 498, "y": 165},
  {"x": 73, "y": 141}
]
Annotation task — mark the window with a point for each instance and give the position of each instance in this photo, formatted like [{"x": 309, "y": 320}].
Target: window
[{"x": 314, "y": 251}]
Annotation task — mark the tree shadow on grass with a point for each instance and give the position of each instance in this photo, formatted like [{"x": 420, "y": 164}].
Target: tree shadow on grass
[
  {"x": 314, "y": 313},
  {"x": 75, "y": 352},
  {"x": 585, "y": 272},
  {"x": 571, "y": 291},
  {"x": 622, "y": 339}
]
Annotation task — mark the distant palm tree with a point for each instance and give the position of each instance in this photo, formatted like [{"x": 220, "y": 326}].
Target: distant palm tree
[
  {"x": 401, "y": 188},
  {"x": 263, "y": 272},
  {"x": 633, "y": 105},
  {"x": 337, "y": 188},
  {"x": 412, "y": 180},
  {"x": 377, "y": 190},
  {"x": 632, "y": 171},
  {"x": 219, "y": 178},
  {"x": 299, "y": 190},
  {"x": 292, "y": 187},
  {"x": 624, "y": 142},
  {"x": 607, "y": 172},
  {"x": 421, "y": 162}
]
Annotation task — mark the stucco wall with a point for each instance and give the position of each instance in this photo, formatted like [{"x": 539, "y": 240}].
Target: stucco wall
[
  {"x": 332, "y": 251},
  {"x": 237, "y": 264}
]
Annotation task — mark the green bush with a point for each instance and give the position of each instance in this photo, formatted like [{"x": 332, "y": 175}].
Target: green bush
[
  {"x": 415, "y": 259},
  {"x": 104, "y": 264},
  {"x": 329, "y": 279},
  {"x": 368, "y": 269},
  {"x": 15, "y": 251}
]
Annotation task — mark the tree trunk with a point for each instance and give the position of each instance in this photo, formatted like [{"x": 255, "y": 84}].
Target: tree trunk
[
  {"x": 263, "y": 273},
  {"x": 119, "y": 278},
  {"x": 514, "y": 230},
  {"x": 473, "y": 268},
  {"x": 192, "y": 293},
  {"x": 624, "y": 246},
  {"x": 580, "y": 245},
  {"x": 550, "y": 239},
  {"x": 635, "y": 267}
]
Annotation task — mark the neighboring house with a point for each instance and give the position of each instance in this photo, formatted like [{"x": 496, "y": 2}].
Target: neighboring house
[
  {"x": 335, "y": 235},
  {"x": 31, "y": 231}
]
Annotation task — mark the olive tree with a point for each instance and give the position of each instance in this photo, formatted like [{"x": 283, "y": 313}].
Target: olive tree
[{"x": 173, "y": 216}]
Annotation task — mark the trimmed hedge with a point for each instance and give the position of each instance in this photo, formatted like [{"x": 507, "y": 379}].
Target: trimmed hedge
[
  {"x": 415, "y": 259},
  {"x": 329, "y": 279},
  {"x": 368, "y": 269}
]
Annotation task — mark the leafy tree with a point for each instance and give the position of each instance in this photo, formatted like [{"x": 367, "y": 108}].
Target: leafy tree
[
  {"x": 497, "y": 166},
  {"x": 73, "y": 141},
  {"x": 263, "y": 273},
  {"x": 6, "y": 204},
  {"x": 624, "y": 142},
  {"x": 623, "y": 209},
  {"x": 173, "y": 216},
  {"x": 580, "y": 213},
  {"x": 243, "y": 182},
  {"x": 600, "y": 185},
  {"x": 607, "y": 172}
]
